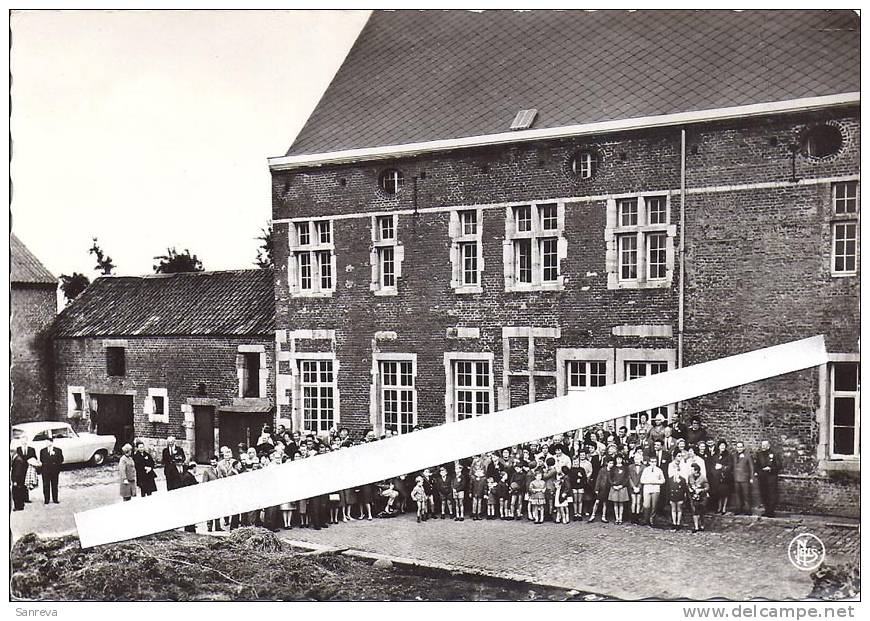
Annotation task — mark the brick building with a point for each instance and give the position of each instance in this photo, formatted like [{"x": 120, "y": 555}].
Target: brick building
[
  {"x": 33, "y": 306},
  {"x": 189, "y": 355},
  {"x": 468, "y": 222}
]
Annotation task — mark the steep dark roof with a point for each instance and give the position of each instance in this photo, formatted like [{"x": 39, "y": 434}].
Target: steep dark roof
[
  {"x": 24, "y": 267},
  {"x": 415, "y": 76},
  {"x": 233, "y": 303}
]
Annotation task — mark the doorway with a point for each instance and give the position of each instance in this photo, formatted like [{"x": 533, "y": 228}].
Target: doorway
[
  {"x": 114, "y": 416},
  {"x": 242, "y": 427},
  {"x": 203, "y": 429}
]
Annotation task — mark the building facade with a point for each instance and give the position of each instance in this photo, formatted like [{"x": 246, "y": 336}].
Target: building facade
[
  {"x": 186, "y": 355},
  {"x": 33, "y": 306},
  {"x": 441, "y": 256}
]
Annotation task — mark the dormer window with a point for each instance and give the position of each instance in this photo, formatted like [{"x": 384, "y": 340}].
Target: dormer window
[{"x": 584, "y": 164}]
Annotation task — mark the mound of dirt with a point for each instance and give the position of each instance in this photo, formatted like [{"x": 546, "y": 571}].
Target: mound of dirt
[{"x": 250, "y": 564}]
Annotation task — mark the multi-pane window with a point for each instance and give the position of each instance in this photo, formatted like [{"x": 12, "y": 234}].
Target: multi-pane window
[
  {"x": 533, "y": 234},
  {"x": 523, "y": 218},
  {"x": 845, "y": 419},
  {"x": 584, "y": 164},
  {"x": 844, "y": 228},
  {"x": 549, "y": 217},
  {"x": 523, "y": 260},
  {"x": 116, "y": 362},
  {"x": 311, "y": 263},
  {"x": 466, "y": 250},
  {"x": 583, "y": 374},
  {"x": 634, "y": 370},
  {"x": 656, "y": 258},
  {"x": 657, "y": 210},
  {"x": 472, "y": 388},
  {"x": 398, "y": 403},
  {"x": 317, "y": 383},
  {"x": 640, "y": 242},
  {"x": 468, "y": 254},
  {"x": 390, "y": 181},
  {"x": 385, "y": 254},
  {"x": 627, "y": 257},
  {"x": 549, "y": 259},
  {"x": 627, "y": 211},
  {"x": 845, "y": 236}
]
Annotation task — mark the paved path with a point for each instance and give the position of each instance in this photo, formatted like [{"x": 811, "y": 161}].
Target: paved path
[{"x": 733, "y": 559}]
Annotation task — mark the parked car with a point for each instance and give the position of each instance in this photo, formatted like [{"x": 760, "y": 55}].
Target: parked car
[{"x": 76, "y": 447}]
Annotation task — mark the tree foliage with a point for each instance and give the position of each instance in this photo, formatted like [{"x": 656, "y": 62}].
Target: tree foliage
[
  {"x": 174, "y": 262},
  {"x": 73, "y": 285},
  {"x": 104, "y": 265},
  {"x": 264, "y": 252}
]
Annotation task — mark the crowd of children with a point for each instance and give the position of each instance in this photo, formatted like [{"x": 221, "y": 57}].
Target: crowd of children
[{"x": 583, "y": 475}]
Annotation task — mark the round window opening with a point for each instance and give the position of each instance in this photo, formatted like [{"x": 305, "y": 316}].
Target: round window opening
[
  {"x": 822, "y": 141},
  {"x": 584, "y": 164},
  {"x": 390, "y": 181}
]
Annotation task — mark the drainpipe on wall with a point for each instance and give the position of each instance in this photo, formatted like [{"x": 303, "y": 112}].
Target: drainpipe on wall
[{"x": 682, "y": 295}]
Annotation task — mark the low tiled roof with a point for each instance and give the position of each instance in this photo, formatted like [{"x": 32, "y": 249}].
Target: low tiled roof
[
  {"x": 415, "y": 76},
  {"x": 24, "y": 267},
  {"x": 231, "y": 303}
]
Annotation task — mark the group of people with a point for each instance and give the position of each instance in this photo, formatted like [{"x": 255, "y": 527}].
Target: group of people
[
  {"x": 657, "y": 469},
  {"x": 26, "y": 468}
]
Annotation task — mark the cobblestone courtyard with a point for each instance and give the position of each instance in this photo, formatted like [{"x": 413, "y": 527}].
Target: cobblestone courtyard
[{"x": 735, "y": 558}]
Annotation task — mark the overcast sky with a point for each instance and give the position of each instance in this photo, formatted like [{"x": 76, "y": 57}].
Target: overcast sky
[{"x": 152, "y": 129}]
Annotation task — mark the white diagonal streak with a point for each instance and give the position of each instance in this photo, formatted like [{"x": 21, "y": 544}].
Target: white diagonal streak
[{"x": 380, "y": 460}]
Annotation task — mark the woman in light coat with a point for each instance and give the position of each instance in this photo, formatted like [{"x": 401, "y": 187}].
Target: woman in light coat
[{"x": 127, "y": 473}]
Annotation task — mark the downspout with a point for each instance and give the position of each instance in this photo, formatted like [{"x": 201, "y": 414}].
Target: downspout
[{"x": 682, "y": 251}]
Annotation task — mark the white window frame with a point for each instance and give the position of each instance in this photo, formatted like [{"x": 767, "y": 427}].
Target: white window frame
[
  {"x": 585, "y": 164},
  {"x": 640, "y": 229},
  {"x": 378, "y": 388},
  {"x": 461, "y": 238},
  {"x": 536, "y": 236},
  {"x": 833, "y": 394},
  {"x": 315, "y": 246},
  {"x": 566, "y": 356},
  {"x": 381, "y": 248},
  {"x": 149, "y": 406},
  {"x": 262, "y": 370},
  {"x": 71, "y": 410},
  {"x": 299, "y": 386},
  {"x": 845, "y": 193},
  {"x": 450, "y": 397}
]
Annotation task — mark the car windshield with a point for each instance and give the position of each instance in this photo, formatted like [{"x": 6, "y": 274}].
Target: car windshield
[{"x": 63, "y": 432}]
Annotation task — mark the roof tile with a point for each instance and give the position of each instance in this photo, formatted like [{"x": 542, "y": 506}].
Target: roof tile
[
  {"x": 230, "y": 303},
  {"x": 415, "y": 76}
]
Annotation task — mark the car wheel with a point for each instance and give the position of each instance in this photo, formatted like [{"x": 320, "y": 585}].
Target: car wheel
[{"x": 98, "y": 458}]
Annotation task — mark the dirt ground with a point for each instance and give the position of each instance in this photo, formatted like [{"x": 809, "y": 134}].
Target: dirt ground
[{"x": 250, "y": 564}]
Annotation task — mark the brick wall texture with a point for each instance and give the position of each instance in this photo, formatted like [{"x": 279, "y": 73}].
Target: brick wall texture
[
  {"x": 177, "y": 364},
  {"x": 757, "y": 270},
  {"x": 32, "y": 309}
]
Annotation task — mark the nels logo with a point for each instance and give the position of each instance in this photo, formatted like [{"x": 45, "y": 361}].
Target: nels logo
[{"x": 806, "y": 552}]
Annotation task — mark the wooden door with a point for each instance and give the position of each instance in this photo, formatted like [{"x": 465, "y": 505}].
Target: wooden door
[{"x": 203, "y": 429}]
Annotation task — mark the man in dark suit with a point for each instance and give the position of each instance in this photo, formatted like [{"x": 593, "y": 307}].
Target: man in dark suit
[
  {"x": 173, "y": 463},
  {"x": 767, "y": 468},
  {"x": 50, "y": 458},
  {"x": 30, "y": 457}
]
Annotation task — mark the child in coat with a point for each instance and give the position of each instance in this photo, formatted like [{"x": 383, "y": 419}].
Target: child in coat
[
  {"x": 517, "y": 490},
  {"x": 602, "y": 491},
  {"x": 563, "y": 496},
  {"x": 538, "y": 497},
  {"x": 478, "y": 493},
  {"x": 444, "y": 492},
  {"x": 491, "y": 497},
  {"x": 502, "y": 492}
]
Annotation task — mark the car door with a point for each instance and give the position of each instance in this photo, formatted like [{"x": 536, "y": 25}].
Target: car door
[{"x": 71, "y": 446}]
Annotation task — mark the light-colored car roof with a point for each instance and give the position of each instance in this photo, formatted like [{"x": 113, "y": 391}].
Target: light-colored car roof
[{"x": 40, "y": 425}]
